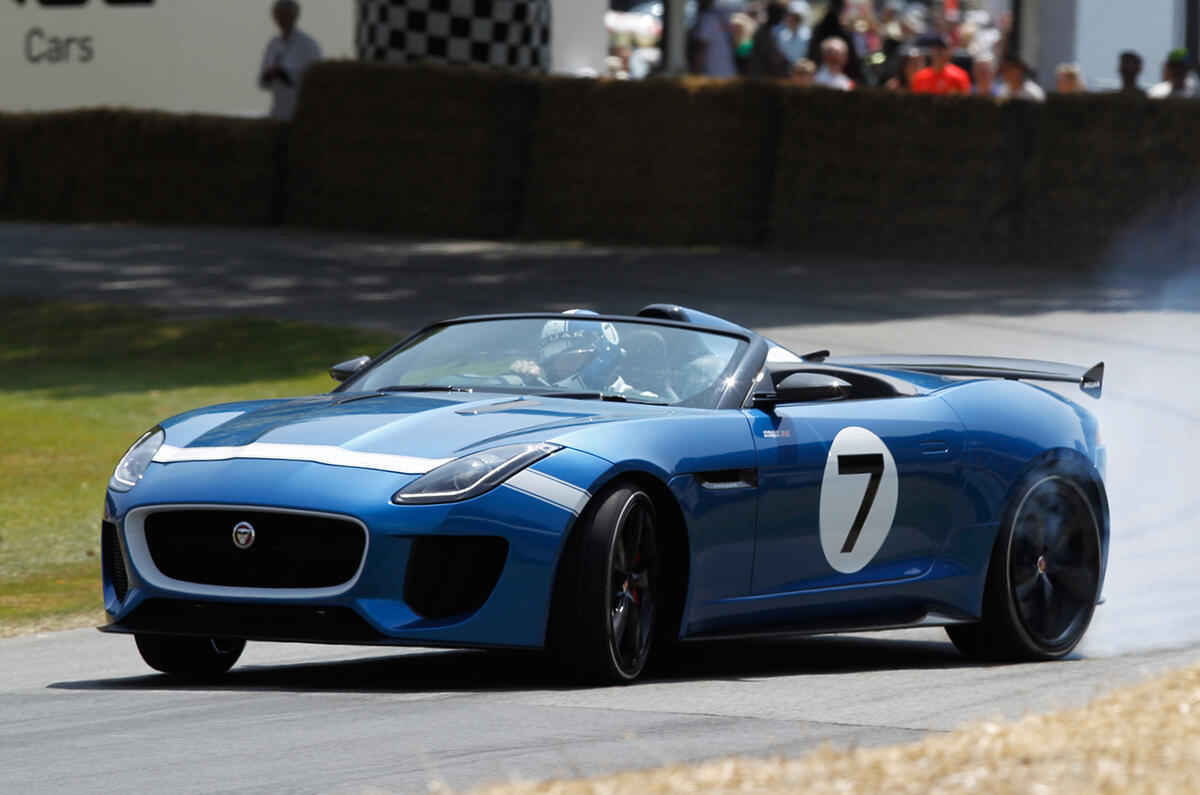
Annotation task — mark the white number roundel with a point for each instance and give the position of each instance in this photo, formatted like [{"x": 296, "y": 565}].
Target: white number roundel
[{"x": 858, "y": 499}]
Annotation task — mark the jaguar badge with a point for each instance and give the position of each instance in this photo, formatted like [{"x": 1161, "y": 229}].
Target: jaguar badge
[{"x": 243, "y": 535}]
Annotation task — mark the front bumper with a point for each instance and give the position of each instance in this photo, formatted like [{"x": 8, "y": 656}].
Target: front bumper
[{"x": 409, "y": 550}]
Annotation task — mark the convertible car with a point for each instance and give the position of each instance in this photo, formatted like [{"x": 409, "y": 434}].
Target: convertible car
[{"x": 603, "y": 486}]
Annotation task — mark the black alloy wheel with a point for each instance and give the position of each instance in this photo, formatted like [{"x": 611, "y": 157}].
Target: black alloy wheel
[
  {"x": 1054, "y": 562},
  {"x": 189, "y": 656},
  {"x": 631, "y": 605},
  {"x": 604, "y": 619},
  {"x": 1044, "y": 577}
]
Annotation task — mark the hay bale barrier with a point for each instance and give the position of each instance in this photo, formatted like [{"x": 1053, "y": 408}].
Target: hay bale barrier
[
  {"x": 677, "y": 162},
  {"x": 882, "y": 174},
  {"x": 1112, "y": 176},
  {"x": 417, "y": 150},
  {"x": 9, "y": 131},
  {"x": 439, "y": 151},
  {"x": 138, "y": 166}
]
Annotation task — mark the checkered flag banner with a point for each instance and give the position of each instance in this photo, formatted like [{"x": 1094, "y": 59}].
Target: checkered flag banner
[{"x": 509, "y": 33}]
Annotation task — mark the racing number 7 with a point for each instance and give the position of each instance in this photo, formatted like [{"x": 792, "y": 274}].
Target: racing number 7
[{"x": 861, "y": 464}]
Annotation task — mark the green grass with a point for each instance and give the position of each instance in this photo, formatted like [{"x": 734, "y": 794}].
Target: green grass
[{"x": 79, "y": 383}]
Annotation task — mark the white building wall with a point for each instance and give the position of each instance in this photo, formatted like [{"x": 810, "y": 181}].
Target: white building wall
[
  {"x": 1150, "y": 27},
  {"x": 578, "y": 40},
  {"x": 196, "y": 55},
  {"x": 1094, "y": 32},
  {"x": 176, "y": 55}
]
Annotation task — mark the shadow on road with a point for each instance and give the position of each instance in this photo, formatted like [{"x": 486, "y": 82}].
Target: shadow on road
[
  {"x": 503, "y": 670},
  {"x": 401, "y": 284}
]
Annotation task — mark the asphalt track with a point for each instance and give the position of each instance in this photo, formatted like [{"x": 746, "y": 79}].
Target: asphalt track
[{"x": 79, "y": 711}]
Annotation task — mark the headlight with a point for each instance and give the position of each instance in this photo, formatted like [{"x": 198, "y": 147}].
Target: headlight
[
  {"x": 136, "y": 459},
  {"x": 472, "y": 475}
]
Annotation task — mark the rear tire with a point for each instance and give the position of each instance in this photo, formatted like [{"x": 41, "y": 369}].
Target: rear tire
[
  {"x": 188, "y": 656},
  {"x": 1044, "y": 576},
  {"x": 606, "y": 605}
]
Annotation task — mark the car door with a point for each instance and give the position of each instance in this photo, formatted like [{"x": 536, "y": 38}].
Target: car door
[{"x": 853, "y": 491}]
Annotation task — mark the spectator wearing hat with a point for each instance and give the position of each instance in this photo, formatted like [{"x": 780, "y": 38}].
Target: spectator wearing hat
[
  {"x": 743, "y": 27},
  {"x": 792, "y": 34},
  {"x": 1016, "y": 82},
  {"x": 1129, "y": 67},
  {"x": 941, "y": 76},
  {"x": 1176, "y": 77},
  {"x": 899, "y": 28},
  {"x": 287, "y": 56},
  {"x": 832, "y": 74}
]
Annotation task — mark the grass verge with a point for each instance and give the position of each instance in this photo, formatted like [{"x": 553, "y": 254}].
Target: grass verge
[
  {"x": 78, "y": 384},
  {"x": 1140, "y": 739}
]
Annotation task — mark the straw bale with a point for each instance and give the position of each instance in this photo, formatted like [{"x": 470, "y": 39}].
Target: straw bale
[
  {"x": 658, "y": 161},
  {"x": 409, "y": 150},
  {"x": 8, "y": 131},
  {"x": 881, "y": 174},
  {"x": 146, "y": 167},
  {"x": 1141, "y": 739},
  {"x": 484, "y": 153},
  {"x": 1103, "y": 164}
]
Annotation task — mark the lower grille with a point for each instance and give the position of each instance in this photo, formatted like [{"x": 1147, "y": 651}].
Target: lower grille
[
  {"x": 114, "y": 559},
  {"x": 257, "y": 622},
  {"x": 451, "y": 575},
  {"x": 285, "y": 550}
]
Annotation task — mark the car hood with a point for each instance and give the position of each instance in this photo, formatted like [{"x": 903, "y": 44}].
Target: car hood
[{"x": 427, "y": 428}]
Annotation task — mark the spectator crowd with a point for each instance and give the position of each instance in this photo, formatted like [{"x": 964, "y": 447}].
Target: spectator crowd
[{"x": 940, "y": 48}]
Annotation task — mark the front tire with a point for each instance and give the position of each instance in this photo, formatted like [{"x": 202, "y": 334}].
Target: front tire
[
  {"x": 606, "y": 607},
  {"x": 1044, "y": 576},
  {"x": 188, "y": 656}
]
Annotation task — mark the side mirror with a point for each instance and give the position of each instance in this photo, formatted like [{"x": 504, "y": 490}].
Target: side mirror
[
  {"x": 804, "y": 388},
  {"x": 343, "y": 370}
]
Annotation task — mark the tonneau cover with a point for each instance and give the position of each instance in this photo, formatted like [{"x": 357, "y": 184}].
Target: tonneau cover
[{"x": 1090, "y": 379}]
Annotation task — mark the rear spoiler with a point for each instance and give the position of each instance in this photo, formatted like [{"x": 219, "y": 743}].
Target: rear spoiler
[{"x": 1090, "y": 379}]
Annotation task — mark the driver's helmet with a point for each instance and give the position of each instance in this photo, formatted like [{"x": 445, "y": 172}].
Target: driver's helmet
[{"x": 579, "y": 354}]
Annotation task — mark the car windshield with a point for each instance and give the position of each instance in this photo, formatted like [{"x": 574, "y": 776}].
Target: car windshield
[{"x": 572, "y": 356}]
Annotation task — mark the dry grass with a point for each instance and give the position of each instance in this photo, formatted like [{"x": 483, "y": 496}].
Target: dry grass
[
  {"x": 52, "y": 623},
  {"x": 1142, "y": 739}
]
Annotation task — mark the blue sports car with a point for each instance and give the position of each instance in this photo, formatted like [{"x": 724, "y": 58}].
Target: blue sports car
[{"x": 602, "y": 486}]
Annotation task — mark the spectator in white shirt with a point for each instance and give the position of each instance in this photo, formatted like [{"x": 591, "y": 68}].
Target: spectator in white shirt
[
  {"x": 792, "y": 35},
  {"x": 1015, "y": 82},
  {"x": 286, "y": 58},
  {"x": 1177, "y": 80},
  {"x": 832, "y": 74}
]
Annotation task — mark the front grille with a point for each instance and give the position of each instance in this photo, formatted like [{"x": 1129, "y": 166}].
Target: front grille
[
  {"x": 114, "y": 559},
  {"x": 251, "y": 621},
  {"x": 451, "y": 575},
  {"x": 288, "y": 551}
]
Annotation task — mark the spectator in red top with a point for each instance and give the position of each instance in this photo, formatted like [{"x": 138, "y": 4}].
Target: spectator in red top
[{"x": 941, "y": 76}]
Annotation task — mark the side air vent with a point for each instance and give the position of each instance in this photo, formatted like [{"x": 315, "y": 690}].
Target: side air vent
[
  {"x": 724, "y": 479},
  {"x": 113, "y": 559},
  {"x": 452, "y": 575}
]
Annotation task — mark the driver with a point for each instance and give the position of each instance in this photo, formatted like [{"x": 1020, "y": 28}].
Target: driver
[{"x": 580, "y": 355}]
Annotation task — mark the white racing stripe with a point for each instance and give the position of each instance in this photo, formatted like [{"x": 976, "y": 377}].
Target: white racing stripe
[
  {"x": 549, "y": 489},
  {"x": 316, "y": 453}
]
